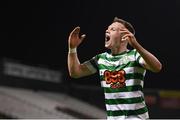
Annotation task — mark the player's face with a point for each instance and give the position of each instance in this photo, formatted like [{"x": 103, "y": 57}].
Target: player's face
[{"x": 113, "y": 35}]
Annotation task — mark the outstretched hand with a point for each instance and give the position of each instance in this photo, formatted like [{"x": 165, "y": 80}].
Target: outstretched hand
[{"x": 74, "y": 39}]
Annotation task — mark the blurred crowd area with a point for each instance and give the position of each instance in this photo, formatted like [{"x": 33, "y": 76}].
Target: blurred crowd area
[{"x": 34, "y": 92}]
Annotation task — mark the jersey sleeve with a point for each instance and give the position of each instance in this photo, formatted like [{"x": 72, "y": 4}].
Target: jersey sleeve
[
  {"x": 139, "y": 58},
  {"x": 92, "y": 64}
]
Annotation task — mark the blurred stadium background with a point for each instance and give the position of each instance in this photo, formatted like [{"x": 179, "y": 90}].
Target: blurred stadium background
[
  {"x": 34, "y": 81},
  {"x": 32, "y": 92}
]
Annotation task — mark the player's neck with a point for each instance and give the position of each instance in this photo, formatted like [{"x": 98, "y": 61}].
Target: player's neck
[{"x": 119, "y": 50}]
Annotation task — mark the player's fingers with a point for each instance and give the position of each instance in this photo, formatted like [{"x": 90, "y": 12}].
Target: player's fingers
[
  {"x": 125, "y": 37},
  {"x": 82, "y": 37},
  {"x": 76, "y": 31}
]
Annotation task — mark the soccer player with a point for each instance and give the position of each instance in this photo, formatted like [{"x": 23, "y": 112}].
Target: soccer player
[{"x": 121, "y": 71}]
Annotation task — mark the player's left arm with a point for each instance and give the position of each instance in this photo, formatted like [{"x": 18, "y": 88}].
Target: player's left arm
[{"x": 150, "y": 61}]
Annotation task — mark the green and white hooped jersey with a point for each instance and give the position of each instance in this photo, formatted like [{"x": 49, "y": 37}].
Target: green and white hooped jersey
[{"x": 122, "y": 78}]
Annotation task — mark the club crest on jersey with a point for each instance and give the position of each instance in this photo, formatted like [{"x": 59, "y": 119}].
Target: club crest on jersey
[{"x": 116, "y": 79}]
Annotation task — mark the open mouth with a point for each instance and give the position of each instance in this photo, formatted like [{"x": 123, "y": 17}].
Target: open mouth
[{"x": 107, "y": 37}]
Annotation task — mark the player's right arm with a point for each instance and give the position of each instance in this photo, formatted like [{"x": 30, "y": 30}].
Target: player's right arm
[{"x": 76, "y": 69}]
